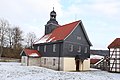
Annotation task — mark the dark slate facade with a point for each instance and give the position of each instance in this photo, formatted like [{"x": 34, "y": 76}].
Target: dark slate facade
[
  {"x": 78, "y": 39},
  {"x": 49, "y": 49}
]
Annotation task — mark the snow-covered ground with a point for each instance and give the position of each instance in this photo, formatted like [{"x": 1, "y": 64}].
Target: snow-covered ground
[{"x": 14, "y": 71}]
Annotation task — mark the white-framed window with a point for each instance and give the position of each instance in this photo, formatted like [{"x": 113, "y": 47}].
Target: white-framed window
[
  {"x": 38, "y": 48},
  {"x": 45, "y": 48},
  {"x": 54, "y": 62},
  {"x": 71, "y": 48},
  {"x": 79, "y": 49},
  {"x": 78, "y": 38},
  {"x": 54, "y": 47},
  {"x": 86, "y": 49}
]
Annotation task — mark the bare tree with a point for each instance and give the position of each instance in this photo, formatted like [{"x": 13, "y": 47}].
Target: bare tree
[
  {"x": 17, "y": 37},
  {"x": 3, "y": 30},
  {"x": 30, "y": 38},
  {"x": 10, "y": 40},
  {"x": 10, "y": 35}
]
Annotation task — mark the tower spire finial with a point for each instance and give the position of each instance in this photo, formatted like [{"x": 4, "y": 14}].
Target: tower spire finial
[{"x": 53, "y": 8}]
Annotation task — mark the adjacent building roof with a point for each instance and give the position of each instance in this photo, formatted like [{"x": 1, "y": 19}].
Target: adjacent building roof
[
  {"x": 115, "y": 43},
  {"x": 96, "y": 57},
  {"x": 61, "y": 33},
  {"x": 100, "y": 52},
  {"x": 93, "y": 61},
  {"x": 31, "y": 53}
]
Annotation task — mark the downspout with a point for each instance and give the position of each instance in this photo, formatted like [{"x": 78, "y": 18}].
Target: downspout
[
  {"x": 59, "y": 57},
  {"x": 28, "y": 61}
]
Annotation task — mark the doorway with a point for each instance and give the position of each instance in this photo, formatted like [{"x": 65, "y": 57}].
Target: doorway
[{"x": 77, "y": 64}]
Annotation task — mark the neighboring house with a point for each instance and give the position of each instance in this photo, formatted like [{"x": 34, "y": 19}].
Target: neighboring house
[
  {"x": 97, "y": 59},
  {"x": 114, "y": 56},
  {"x": 96, "y": 55},
  {"x": 65, "y": 47},
  {"x": 30, "y": 57}
]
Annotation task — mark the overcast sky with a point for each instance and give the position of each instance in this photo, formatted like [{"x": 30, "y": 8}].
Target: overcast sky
[{"x": 101, "y": 18}]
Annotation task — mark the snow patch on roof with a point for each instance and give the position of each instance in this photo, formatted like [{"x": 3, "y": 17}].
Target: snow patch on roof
[
  {"x": 50, "y": 39},
  {"x": 43, "y": 39},
  {"x": 96, "y": 57},
  {"x": 34, "y": 55}
]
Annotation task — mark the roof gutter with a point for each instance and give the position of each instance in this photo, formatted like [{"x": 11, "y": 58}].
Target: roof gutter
[{"x": 58, "y": 41}]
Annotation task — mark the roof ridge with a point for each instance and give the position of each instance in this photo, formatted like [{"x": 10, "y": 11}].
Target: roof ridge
[
  {"x": 69, "y": 23},
  {"x": 60, "y": 26}
]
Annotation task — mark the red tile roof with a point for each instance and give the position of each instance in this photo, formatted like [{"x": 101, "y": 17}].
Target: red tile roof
[
  {"x": 32, "y": 53},
  {"x": 93, "y": 61},
  {"x": 63, "y": 31},
  {"x": 115, "y": 43},
  {"x": 59, "y": 33}
]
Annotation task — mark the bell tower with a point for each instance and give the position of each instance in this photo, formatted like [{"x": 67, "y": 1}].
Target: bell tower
[{"x": 52, "y": 23}]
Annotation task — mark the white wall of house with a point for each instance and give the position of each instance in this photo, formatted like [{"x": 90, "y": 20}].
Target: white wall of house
[
  {"x": 34, "y": 61},
  {"x": 52, "y": 62},
  {"x": 24, "y": 61},
  {"x": 115, "y": 64},
  {"x": 66, "y": 63},
  {"x": 30, "y": 61},
  {"x": 70, "y": 65}
]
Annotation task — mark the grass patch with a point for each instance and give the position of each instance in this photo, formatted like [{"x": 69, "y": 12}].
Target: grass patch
[{"x": 3, "y": 60}]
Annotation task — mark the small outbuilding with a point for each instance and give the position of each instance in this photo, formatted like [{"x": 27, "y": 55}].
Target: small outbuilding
[
  {"x": 30, "y": 57},
  {"x": 114, "y": 56}
]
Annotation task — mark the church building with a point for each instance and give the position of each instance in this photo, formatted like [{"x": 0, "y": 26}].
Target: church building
[{"x": 64, "y": 47}]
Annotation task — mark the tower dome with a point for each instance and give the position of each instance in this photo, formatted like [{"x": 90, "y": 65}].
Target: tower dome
[
  {"x": 53, "y": 14},
  {"x": 52, "y": 23}
]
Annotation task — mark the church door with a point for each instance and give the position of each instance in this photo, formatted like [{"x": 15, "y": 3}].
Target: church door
[{"x": 77, "y": 64}]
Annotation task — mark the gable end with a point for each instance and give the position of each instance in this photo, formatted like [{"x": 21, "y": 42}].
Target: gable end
[{"x": 83, "y": 30}]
